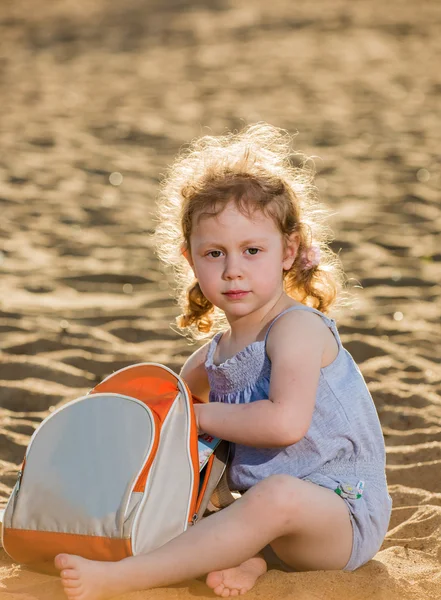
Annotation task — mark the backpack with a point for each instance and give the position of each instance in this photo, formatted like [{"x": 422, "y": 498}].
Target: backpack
[{"x": 114, "y": 473}]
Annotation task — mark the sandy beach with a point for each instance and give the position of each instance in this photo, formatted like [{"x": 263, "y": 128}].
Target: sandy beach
[{"x": 97, "y": 98}]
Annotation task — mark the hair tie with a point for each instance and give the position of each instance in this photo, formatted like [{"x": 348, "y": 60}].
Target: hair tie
[{"x": 310, "y": 257}]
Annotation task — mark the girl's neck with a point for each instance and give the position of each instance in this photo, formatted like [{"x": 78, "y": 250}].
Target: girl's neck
[{"x": 252, "y": 327}]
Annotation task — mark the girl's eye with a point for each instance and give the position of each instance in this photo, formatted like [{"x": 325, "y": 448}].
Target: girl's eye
[
  {"x": 253, "y": 251},
  {"x": 214, "y": 253}
]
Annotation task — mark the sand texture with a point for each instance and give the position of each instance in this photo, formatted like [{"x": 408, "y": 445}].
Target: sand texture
[{"x": 96, "y": 99}]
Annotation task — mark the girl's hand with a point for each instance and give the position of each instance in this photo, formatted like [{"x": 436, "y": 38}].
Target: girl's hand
[{"x": 197, "y": 409}]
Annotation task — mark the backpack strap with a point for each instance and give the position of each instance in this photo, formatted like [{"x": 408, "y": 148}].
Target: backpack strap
[
  {"x": 222, "y": 496},
  {"x": 217, "y": 494}
]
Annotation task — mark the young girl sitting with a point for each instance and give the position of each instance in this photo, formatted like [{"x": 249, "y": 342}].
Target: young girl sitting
[{"x": 241, "y": 227}]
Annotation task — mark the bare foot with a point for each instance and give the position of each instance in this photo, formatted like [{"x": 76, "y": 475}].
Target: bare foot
[
  {"x": 85, "y": 579},
  {"x": 238, "y": 580}
]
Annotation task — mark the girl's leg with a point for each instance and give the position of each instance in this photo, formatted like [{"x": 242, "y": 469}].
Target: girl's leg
[
  {"x": 321, "y": 537},
  {"x": 303, "y": 519}
]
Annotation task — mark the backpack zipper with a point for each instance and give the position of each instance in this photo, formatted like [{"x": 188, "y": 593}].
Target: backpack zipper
[
  {"x": 19, "y": 477},
  {"x": 18, "y": 483}
]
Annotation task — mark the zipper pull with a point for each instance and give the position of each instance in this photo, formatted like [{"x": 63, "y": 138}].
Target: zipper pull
[
  {"x": 19, "y": 476},
  {"x": 194, "y": 519}
]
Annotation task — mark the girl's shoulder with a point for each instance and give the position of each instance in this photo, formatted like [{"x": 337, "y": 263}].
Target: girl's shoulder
[
  {"x": 294, "y": 320},
  {"x": 299, "y": 315},
  {"x": 300, "y": 327}
]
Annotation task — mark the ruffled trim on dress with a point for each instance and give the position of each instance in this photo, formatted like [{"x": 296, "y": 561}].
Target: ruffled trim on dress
[
  {"x": 239, "y": 373},
  {"x": 251, "y": 392}
]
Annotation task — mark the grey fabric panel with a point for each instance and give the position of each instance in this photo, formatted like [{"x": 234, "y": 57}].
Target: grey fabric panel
[
  {"x": 164, "y": 511},
  {"x": 81, "y": 466}
]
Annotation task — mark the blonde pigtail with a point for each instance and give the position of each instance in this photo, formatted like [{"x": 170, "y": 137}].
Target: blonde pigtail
[
  {"x": 198, "y": 310},
  {"x": 316, "y": 285}
]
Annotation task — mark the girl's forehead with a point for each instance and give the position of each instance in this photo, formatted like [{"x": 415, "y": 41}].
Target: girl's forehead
[{"x": 233, "y": 218}]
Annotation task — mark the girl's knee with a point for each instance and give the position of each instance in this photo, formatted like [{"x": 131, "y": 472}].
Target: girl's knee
[{"x": 277, "y": 492}]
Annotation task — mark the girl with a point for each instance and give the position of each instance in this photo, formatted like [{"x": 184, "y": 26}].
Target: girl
[{"x": 240, "y": 226}]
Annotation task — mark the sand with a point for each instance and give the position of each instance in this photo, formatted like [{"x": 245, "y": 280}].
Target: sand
[{"x": 97, "y": 97}]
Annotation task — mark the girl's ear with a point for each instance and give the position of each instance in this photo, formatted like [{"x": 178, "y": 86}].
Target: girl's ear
[
  {"x": 290, "y": 250},
  {"x": 187, "y": 255}
]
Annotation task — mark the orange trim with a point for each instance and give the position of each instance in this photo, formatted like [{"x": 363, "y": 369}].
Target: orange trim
[
  {"x": 194, "y": 452},
  {"x": 142, "y": 479},
  {"x": 207, "y": 469},
  {"x": 151, "y": 384},
  {"x": 28, "y": 546}
]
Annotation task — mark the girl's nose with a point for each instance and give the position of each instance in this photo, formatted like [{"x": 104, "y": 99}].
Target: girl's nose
[{"x": 232, "y": 269}]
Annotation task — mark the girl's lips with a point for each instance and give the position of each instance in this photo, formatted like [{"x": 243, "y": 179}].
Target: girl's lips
[{"x": 236, "y": 294}]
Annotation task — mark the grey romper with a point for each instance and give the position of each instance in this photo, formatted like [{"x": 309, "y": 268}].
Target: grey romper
[{"x": 343, "y": 449}]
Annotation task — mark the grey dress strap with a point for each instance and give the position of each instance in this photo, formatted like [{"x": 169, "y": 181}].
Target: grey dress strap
[{"x": 328, "y": 321}]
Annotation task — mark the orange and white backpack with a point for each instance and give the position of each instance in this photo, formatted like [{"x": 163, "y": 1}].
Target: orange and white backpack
[{"x": 114, "y": 473}]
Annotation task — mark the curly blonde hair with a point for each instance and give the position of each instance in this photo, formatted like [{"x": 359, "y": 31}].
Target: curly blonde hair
[{"x": 254, "y": 169}]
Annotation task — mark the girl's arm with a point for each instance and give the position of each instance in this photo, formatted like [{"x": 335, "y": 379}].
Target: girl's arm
[
  {"x": 295, "y": 347},
  {"x": 194, "y": 374}
]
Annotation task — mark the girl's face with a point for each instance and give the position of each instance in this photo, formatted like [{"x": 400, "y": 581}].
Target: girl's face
[{"x": 239, "y": 260}]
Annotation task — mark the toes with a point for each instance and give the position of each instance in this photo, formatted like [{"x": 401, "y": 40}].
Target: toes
[
  {"x": 71, "y": 583},
  {"x": 65, "y": 561},
  {"x": 70, "y": 574},
  {"x": 61, "y": 561},
  {"x": 219, "y": 589},
  {"x": 230, "y": 582},
  {"x": 214, "y": 579}
]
